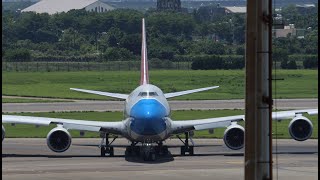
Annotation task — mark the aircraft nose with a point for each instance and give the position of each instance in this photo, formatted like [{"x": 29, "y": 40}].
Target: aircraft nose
[
  {"x": 149, "y": 113},
  {"x": 148, "y": 117},
  {"x": 148, "y": 109}
]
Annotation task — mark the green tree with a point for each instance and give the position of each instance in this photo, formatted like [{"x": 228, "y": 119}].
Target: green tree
[
  {"x": 18, "y": 55},
  {"x": 117, "y": 54},
  {"x": 291, "y": 65},
  {"x": 240, "y": 50},
  {"x": 280, "y": 55}
]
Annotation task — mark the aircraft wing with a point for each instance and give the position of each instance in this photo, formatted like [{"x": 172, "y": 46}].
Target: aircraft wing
[
  {"x": 211, "y": 123},
  {"x": 180, "y": 93},
  {"x": 114, "y": 95},
  {"x": 84, "y": 125}
]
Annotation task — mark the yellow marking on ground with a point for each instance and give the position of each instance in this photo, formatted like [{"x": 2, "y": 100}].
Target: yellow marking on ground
[{"x": 235, "y": 162}]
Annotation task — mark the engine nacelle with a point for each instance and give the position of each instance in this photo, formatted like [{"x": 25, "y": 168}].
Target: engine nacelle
[
  {"x": 300, "y": 128},
  {"x": 59, "y": 139},
  {"x": 234, "y": 137},
  {"x": 3, "y": 133}
]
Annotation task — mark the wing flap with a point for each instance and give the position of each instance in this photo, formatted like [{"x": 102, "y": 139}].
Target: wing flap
[
  {"x": 114, "y": 95},
  {"x": 81, "y": 127}
]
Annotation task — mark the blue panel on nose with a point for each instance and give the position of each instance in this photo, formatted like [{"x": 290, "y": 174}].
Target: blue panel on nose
[{"x": 148, "y": 117}]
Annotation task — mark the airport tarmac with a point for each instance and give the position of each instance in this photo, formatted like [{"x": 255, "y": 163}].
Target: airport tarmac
[
  {"x": 30, "y": 159},
  {"x": 85, "y": 105}
]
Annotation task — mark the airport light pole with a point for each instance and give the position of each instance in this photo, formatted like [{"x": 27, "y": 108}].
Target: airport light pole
[{"x": 258, "y": 108}]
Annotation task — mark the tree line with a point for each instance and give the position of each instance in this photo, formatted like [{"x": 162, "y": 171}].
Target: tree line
[{"x": 80, "y": 36}]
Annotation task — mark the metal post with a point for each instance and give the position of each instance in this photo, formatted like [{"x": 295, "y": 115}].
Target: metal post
[{"x": 258, "y": 137}]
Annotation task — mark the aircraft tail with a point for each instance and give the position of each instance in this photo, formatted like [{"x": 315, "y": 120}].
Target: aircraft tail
[{"x": 144, "y": 74}]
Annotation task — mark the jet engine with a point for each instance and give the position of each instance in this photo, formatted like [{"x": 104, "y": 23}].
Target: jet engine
[
  {"x": 3, "y": 133},
  {"x": 234, "y": 137},
  {"x": 300, "y": 128},
  {"x": 59, "y": 139}
]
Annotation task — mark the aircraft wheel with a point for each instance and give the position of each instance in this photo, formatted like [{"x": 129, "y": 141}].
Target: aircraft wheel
[
  {"x": 111, "y": 152},
  {"x": 103, "y": 151},
  {"x": 165, "y": 150},
  {"x": 191, "y": 152},
  {"x": 152, "y": 156},
  {"x": 183, "y": 151},
  {"x": 136, "y": 150},
  {"x": 128, "y": 151},
  {"x": 145, "y": 157}
]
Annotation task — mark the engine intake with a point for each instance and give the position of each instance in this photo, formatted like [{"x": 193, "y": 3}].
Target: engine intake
[
  {"x": 300, "y": 128},
  {"x": 234, "y": 137},
  {"x": 3, "y": 133},
  {"x": 59, "y": 139}
]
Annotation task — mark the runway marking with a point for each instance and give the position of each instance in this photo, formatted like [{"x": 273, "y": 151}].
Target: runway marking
[
  {"x": 235, "y": 162},
  {"x": 297, "y": 170}
]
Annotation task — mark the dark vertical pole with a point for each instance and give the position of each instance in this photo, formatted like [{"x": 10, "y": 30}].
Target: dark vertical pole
[
  {"x": 258, "y": 137},
  {"x": 270, "y": 24}
]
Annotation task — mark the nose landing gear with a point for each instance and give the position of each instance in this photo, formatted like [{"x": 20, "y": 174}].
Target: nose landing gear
[{"x": 148, "y": 152}]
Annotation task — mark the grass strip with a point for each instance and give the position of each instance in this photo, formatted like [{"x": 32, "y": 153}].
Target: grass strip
[
  {"x": 296, "y": 83},
  {"x": 28, "y": 100}
]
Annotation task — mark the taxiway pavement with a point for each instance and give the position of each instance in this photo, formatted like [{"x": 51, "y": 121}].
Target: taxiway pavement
[
  {"x": 86, "y": 105},
  {"x": 30, "y": 159}
]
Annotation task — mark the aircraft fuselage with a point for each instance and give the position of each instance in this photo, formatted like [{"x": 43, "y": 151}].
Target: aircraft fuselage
[{"x": 147, "y": 111}]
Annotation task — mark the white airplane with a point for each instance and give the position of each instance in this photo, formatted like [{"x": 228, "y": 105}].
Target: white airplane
[{"x": 147, "y": 121}]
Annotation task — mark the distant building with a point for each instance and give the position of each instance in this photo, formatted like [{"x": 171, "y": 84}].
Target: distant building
[
  {"x": 174, "y": 5},
  {"x": 58, "y": 6},
  {"x": 288, "y": 31},
  {"x": 235, "y": 9},
  {"x": 211, "y": 10},
  {"x": 278, "y": 21}
]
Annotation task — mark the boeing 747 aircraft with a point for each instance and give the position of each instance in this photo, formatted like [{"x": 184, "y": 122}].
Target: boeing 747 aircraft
[{"x": 147, "y": 121}]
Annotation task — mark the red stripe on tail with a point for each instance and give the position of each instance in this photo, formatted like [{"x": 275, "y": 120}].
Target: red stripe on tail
[{"x": 144, "y": 74}]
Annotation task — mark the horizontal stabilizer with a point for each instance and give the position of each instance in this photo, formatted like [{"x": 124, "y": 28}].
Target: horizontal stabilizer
[
  {"x": 175, "y": 94},
  {"x": 114, "y": 95}
]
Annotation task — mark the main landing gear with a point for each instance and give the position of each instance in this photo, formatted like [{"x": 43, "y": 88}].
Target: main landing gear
[
  {"x": 186, "y": 148},
  {"x": 105, "y": 146},
  {"x": 147, "y": 151}
]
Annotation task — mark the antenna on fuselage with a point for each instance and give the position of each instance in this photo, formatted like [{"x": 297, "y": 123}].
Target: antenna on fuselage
[{"x": 144, "y": 74}]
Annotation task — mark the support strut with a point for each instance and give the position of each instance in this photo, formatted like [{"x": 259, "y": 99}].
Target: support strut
[
  {"x": 186, "y": 148},
  {"x": 105, "y": 146}
]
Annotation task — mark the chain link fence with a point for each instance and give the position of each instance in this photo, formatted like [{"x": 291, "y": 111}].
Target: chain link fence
[{"x": 89, "y": 66}]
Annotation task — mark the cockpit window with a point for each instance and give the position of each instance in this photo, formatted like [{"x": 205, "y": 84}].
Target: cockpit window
[
  {"x": 143, "y": 94},
  {"x": 153, "y": 94}
]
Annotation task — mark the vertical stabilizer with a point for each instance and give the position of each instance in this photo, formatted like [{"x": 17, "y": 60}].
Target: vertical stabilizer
[{"x": 144, "y": 76}]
